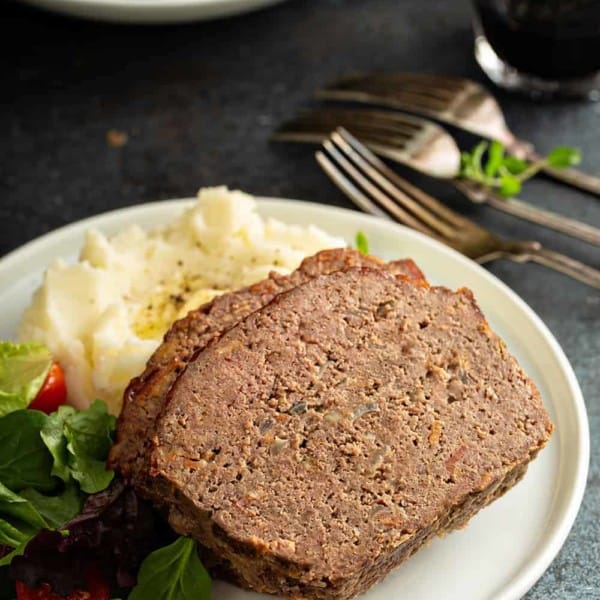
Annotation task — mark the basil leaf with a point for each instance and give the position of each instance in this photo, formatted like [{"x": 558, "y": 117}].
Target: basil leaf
[
  {"x": 562, "y": 157},
  {"x": 362, "y": 243},
  {"x": 56, "y": 510},
  {"x": 23, "y": 369},
  {"x": 24, "y": 458},
  {"x": 173, "y": 573},
  {"x": 495, "y": 158}
]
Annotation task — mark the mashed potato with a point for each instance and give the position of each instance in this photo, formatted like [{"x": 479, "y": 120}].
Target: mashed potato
[{"x": 102, "y": 317}]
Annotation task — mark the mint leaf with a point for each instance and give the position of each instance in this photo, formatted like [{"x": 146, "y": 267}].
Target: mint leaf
[
  {"x": 23, "y": 369},
  {"x": 562, "y": 157},
  {"x": 24, "y": 458},
  {"x": 495, "y": 158},
  {"x": 173, "y": 572},
  {"x": 362, "y": 243}
]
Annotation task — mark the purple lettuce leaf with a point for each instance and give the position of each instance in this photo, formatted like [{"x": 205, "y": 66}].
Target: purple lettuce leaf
[{"x": 115, "y": 531}]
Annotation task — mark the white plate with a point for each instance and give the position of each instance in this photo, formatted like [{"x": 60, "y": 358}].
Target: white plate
[
  {"x": 151, "y": 11},
  {"x": 506, "y": 547}
]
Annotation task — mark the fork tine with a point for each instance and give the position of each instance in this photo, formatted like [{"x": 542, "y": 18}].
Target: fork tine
[
  {"x": 311, "y": 130},
  {"x": 426, "y": 79},
  {"x": 430, "y": 94},
  {"x": 436, "y": 86},
  {"x": 362, "y": 201},
  {"x": 416, "y": 142},
  {"x": 403, "y": 195},
  {"x": 460, "y": 102},
  {"x": 384, "y": 145},
  {"x": 400, "y": 99},
  {"x": 326, "y": 119},
  {"x": 376, "y": 195},
  {"x": 471, "y": 240},
  {"x": 422, "y": 199}
]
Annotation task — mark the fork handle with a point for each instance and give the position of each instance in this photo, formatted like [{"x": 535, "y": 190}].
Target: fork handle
[
  {"x": 535, "y": 252},
  {"x": 573, "y": 177},
  {"x": 524, "y": 210}
]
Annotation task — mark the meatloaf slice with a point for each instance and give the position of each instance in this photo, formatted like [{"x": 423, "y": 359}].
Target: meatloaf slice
[
  {"x": 329, "y": 435},
  {"x": 145, "y": 394}
]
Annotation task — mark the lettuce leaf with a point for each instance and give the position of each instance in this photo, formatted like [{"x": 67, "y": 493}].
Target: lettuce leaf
[
  {"x": 116, "y": 529},
  {"x": 19, "y": 510},
  {"x": 52, "y": 435},
  {"x": 23, "y": 369},
  {"x": 79, "y": 441},
  {"x": 58, "y": 509},
  {"x": 24, "y": 459},
  {"x": 89, "y": 435}
]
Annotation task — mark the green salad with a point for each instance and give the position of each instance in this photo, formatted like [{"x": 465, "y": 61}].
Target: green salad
[{"x": 69, "y": 527}]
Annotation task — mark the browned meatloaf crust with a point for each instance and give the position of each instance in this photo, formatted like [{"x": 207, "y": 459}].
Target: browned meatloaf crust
[
  {"x": 325, "y": 438},
  {"x": 145, "y": 395}
]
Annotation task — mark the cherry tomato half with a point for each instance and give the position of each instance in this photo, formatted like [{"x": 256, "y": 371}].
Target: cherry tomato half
[
  {"x": 97, "y": 589},
  {"x": 53, "y": 392}
]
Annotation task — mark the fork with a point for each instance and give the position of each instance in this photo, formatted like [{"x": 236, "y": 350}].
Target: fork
[
  {"x": 376, "y": 189},
  {"x": 460, "y": 102},
  {"x": 425, "y": 147}
]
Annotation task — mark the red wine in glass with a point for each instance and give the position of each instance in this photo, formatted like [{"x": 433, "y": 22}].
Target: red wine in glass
[{"x": 540, "y": 46}]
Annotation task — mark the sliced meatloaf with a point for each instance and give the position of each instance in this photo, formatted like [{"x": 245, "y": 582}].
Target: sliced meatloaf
[
  {"x": 145, "y": 395},
  {"x": 326, "y": 437}
]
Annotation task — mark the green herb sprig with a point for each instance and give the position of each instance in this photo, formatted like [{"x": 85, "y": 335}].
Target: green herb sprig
[
  {"x": 362, "y": 243},
  {"x": 489, "y": 165}
]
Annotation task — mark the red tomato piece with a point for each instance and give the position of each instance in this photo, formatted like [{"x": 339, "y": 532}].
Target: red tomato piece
[
  {"x": 97, "y": 589},
  {"x": 53, "y": 392}
]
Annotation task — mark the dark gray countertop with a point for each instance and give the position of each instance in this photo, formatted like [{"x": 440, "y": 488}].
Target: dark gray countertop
[{"x": 198, "y": 103}]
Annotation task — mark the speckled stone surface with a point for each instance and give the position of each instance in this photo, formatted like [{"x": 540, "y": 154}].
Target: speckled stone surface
[{"x": 198, "y": 103}]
